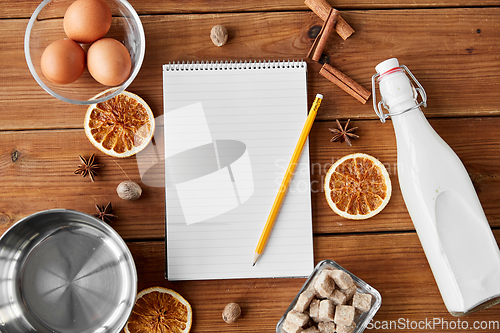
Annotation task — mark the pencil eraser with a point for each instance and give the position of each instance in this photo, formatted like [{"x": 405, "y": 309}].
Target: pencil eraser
[{"x": 319, "y": 96}]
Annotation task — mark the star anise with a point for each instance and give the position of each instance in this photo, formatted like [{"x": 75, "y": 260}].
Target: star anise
[
  {"x": 105, "y": 213},
  {"x": 343, "y": 133},
  {"x": 87, "y": 167}
]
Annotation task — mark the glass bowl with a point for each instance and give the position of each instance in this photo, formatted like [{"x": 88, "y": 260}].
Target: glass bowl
[
  {"x": 361, "y": 319},
  {"x": 46, "y": 26}
]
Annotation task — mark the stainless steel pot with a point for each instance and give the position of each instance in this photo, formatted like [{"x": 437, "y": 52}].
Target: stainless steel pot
[{"x": 65, "y": 271}]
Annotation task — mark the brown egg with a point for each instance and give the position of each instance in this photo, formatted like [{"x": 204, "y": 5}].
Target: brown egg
[
  {"x": 63, "y": 61},
  {"x": 109, "y": 62},
  {"x": 85, "y": 21}
]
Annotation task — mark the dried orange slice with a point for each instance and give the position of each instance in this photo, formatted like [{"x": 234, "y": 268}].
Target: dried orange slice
[
  {"x": 121, "y": 126},
  {"x": 357, "y": 186},
  {"x": 160, "y": 310}
]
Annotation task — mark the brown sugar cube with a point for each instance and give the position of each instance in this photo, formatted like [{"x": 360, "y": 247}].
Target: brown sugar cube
[
  {"x": 338, "y": 297},
  {"x": 344, "y": 315},
  {"x": 362, "y": 302},
  {"x": 310, "y": 323},
  {"x": 311, "y": 329},
  {"x": 311, "y": 286},
  {"x": 291, "y": 327},
  {"x": 326, "y": 310},
  {"x": 304, "y": 300},
  {"x": 342, "y": 279},
  {"x": 297, "y": 318},
  {"x": 329, "y": 270},
  {"x": 349, "y": 292},
  {"x": 324, "y": 285},
  {"x": 326, "y": 327},
  {"x": 314, "y": 310},
  {"x": 346, "y": 329}
]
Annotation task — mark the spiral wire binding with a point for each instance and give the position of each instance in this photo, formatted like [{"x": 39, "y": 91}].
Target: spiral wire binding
[{"x": 232, "y": 65}]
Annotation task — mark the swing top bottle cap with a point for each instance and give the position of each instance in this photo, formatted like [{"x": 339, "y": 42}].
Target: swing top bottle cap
[
  {"x": 390, "y": 66},
  {"x": 395, "y": 88},
  {"x": 387, "y": 66}
]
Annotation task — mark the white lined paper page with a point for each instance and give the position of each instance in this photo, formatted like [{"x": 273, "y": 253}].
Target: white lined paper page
[{"x": 219, "y": 194}]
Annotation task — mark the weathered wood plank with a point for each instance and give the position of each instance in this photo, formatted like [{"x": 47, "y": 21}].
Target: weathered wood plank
[
  {"x": 13, "y": 9},
  {"x": 36, "y": 173},
  {"x": 458, "y": 67},
  {"x": 394, "y": 264}
]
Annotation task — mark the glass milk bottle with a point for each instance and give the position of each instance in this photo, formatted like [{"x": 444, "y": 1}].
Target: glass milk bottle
[{"x": 439, "y": 195}]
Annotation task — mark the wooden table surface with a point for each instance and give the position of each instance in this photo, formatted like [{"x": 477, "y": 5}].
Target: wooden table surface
[{"x": 452, "y": 47}]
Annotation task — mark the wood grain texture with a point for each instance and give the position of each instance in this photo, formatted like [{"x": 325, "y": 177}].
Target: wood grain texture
[
  {"x": 394, "y": 264},
  {"x": 453, "y": 51},
  {"x": 37, "y": 174},
  {"x": 14, "y": 9},
  {"x": 36, "y": 169},
  {"x": 456, "y": 65}
]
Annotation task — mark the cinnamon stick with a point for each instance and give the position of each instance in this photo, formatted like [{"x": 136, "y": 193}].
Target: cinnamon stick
[
  {"x": 328, "y": 27},
  {"x": 322, "y": 8},
  {"x": 319, "y": 7},
  {"x": 318, "y": 37},
  {"x": 343, "y": 29},
  {"x": 345, "y": 83}
]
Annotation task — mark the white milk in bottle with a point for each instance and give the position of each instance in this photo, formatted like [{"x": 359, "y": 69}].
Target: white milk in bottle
[{"x": 439, "y": 195}]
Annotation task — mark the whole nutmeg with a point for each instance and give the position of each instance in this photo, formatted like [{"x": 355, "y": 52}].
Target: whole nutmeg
[
  {"x": 218, "y": 34},
  {"x": 231, "y": 313},
  {"x": 129, "y": 190}
]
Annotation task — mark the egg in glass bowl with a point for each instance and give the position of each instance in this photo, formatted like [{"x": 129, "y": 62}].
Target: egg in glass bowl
[{"x": 74, "y": 59}]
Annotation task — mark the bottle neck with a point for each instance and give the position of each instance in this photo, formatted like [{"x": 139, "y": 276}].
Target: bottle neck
[
  {"x": 401, "y": 108},
  {"x": 396, "y": 91},
  {"x": 399, "y": 96},
  {"x": 409, "y": 122}
]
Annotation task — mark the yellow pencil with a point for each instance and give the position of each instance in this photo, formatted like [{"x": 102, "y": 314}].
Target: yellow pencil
[{"x": 286, "y": 179}]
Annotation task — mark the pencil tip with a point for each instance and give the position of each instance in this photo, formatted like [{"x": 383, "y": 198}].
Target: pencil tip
[{"x": 255, "y": 258}]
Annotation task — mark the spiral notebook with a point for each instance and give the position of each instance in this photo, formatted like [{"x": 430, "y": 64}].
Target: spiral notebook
[{"x": 230, "y": 131}]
